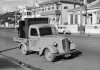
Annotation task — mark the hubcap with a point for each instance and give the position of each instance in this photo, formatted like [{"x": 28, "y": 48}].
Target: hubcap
[
  {"x": 24, "y": 50},
  {"x": 49, "y": 55}
]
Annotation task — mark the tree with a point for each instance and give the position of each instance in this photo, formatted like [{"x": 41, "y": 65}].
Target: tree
[{"x": 10, "y": 17}]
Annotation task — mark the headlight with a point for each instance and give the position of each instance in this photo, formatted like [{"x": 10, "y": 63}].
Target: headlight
[
  {"x": 71, "y": 41},
  {"x": 55, "y": 44},
  {"x": 73, "y": 46}
]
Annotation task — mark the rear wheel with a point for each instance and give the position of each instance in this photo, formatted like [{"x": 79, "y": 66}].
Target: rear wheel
[
  {"x": 24, "y": 49},
  {"x": 49, "y": 55}
]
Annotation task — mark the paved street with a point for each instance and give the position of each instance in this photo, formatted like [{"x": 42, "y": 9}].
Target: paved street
[{"x": 88, "y": 60}]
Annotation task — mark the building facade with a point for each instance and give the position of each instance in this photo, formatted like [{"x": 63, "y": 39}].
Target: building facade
[
  {"x": 29, "y": 12},
  {"x": 57, "y": 10},
  {"x": 91, "y": 20},
  {"x": 67, "y": 12}
]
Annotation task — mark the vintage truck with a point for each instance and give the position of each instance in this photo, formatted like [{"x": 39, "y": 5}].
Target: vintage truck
[{"x": 35, "y": 34}]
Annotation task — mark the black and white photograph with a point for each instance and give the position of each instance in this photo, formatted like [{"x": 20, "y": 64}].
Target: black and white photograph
[{"x": 49, "y": 34}]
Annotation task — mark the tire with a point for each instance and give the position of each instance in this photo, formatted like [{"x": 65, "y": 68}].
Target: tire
[
  {"x": 49, "y": 55},
  {"x": 24, "y": 49}
]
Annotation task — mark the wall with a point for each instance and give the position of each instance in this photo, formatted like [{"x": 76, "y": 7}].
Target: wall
[
  {"x": 73, "y": 28},
  {"x": 92, "y": 29},
  {"x": 89, "y": 28},
  {"x": 65, "y": 12},
  {"x": 41, "y": 1}
]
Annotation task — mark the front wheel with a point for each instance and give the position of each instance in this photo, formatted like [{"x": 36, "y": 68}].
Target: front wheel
[
  {"x": 49, "y": 55},
  {"x": 24, "y": 49}
]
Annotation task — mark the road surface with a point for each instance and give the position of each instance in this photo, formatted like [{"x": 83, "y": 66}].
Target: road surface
[{"x": 88, "y": 60}]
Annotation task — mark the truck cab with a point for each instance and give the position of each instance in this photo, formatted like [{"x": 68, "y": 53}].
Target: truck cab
[
  {"x": 37, "y": 33},
  {"x": 44, "y": 39}
]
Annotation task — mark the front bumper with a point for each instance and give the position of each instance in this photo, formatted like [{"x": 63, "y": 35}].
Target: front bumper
[{"x": 67, "y": 53}]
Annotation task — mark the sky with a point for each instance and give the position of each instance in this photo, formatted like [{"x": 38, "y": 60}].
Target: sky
[{"x": 10, "y": 5}]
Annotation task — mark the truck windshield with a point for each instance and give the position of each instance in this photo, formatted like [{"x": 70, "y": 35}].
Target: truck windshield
[{"x": 45, "y": 31}]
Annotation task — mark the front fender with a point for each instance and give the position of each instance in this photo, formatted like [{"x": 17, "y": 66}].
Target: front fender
[
  {"x": 25, "y": 45},
  {"x": 73, "y": 46},
  {"x": 21, "y": 45},
  {"x": 51, "y": 48}
]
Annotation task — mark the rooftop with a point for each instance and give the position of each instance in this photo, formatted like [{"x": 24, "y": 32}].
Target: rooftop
[
  {"x": 96, "y": 4},
  {"x": 62, "y": 1},
  {"x": 28, "y": 8}
]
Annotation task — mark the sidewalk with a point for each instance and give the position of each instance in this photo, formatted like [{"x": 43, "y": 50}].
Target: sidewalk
[
  {"x": 9, "y": 63},
  {"x": 86, "y": 34},
  {"x": 5, "y": 64}
]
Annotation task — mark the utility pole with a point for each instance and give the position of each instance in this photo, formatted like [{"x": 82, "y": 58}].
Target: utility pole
[
  {"x": 34, "y": 8},
  {"x": 60, "y": 10},
  {"x": 81, "y": 8},
  {"x": 85, "y": 4},
  {"x": 61, "y": 13},
  {"x": 81, "y": 14},
  {"x": 15, "y": 17}
]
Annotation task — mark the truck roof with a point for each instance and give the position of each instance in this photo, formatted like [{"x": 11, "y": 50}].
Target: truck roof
[{"x": 42, "y": 25}]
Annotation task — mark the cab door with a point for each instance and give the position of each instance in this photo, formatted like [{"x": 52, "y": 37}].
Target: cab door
[{"x": 34, "y": 39}]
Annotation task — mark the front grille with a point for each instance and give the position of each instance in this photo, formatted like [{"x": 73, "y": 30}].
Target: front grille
[{"x": 66, "y": 44}]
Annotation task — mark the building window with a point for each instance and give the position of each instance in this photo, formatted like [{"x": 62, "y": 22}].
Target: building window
[
  {"x": 57, "y": 7},
  {"x": 76, "y": 19},
  {"x": 71, "y": 19},
  {"x": 98, "y": 18},
  {"x": 91, "y": 19},
  {"x": 53, "y": 19},
  {"x": 57, "y": 20},
  {"x": 52, "y": 6},
  {"x": 29, "y": 13},
  {"x": 48, "y": 8},
  {"x": 98, "y": 21},
  {"x": 42, "y": 9},
  {"x": 66, "y": 7}
]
